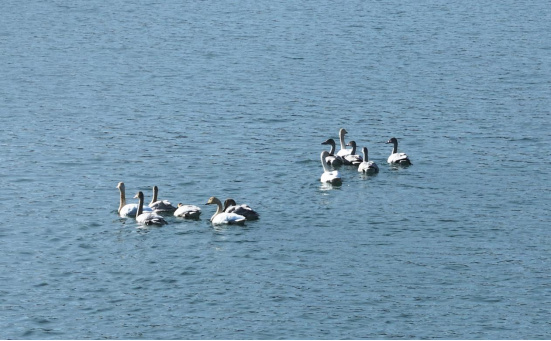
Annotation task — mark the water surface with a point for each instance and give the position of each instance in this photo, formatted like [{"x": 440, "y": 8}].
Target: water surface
[{"x": 233, "y": 99}]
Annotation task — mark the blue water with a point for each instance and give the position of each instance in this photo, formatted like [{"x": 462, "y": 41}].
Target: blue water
[{"x": 233, "y": 99}]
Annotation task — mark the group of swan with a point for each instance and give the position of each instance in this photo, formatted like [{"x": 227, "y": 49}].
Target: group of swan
[
  {"x": 229, "y": 213},
  {"x": 349, "y": 157}
]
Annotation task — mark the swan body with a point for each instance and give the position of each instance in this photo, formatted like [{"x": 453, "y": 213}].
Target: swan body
[
  {"x": 187, "y": 211},
  {"x": 147, "y": 218},
  {"x": 368, "y": 167},
  {"x": 160, "y": 205},
  {"x": 230, "y": 206},
  {"x": 127, "y": 210},
  {"x": 395, "y": 157},
  {"x": 328, "y": 176},
  {"x": 352, "y": 158},
  {"x": 343, "y": 151},
  {"x": 332, "y": 159},
  {"x": 221, "y": 217}
]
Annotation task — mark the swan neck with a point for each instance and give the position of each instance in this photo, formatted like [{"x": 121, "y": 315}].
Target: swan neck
[
  {"x": 353, "y": 152},
  {"x": 332, "y": 151},
  {"x": 219, "y": 208},
  {"x": 395, "y": 147},
  {"x": 155, "y": 193},
  {"x": 324, "y": 163},
  {"x": 341, "y": 139},
  {"x": 140, "y": 206},
  {"x": 122, "y": 200}
]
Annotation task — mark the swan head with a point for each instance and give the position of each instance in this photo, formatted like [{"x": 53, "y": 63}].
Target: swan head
[
  {"x": 229, "y": 202},
  {"x": 352, "y": 144},
  {"x": 213, "y": 201},
  {"x": 139, "y": 195},
  {"x": 329, "y": 142},
  {"x": 392, "y": 140},
  {"x": 342, "y": 132},
  {"x": 120, "y": 186}
]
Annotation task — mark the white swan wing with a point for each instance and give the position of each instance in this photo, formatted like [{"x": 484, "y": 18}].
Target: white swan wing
[
  {"x": 130, "y": 210},
  {"x": 398, "y": 158},
  {"x": 243, "y": 210},
  {"x": 162, "y": 206},
  {"x": 368, "y": 167},
  {"x": 333, "y": 177},
  {"x": 150, "y": 218},
  {"x": 352, "y": 159},
  {"x": 228, "y": 218},
  {"x": 333, "y": 160},
  {"x": 187, "y": 211},
  {"x": 344, "y": 152}
]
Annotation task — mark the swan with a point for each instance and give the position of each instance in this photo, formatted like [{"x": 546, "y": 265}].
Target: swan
[
  {"x": 160, "y": 205},
  {"x": 332, "y": 177},
  {"x": 395, "y": 157},
  {"x": 221, "y": 217},
  {"x": 343, "y": 150},
  {"x": 369, "y": 167},
  {"x": 147, "y": 218},
  {"x": 230, "y": 206},
  {"x": 128, "y": 210},
  {"x": 187, "y": 211},
  {"x": 332, "y": 160},
  {"x": 352, "y": 158}
]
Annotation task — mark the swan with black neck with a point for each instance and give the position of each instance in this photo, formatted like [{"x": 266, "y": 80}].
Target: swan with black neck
[
  {"x": 332, "y": 159},
  {"x": 395, "y": 157},
  {"x": 147, "y": 218},
  {"x": 352, "y": 158},
  {"x": 230, "y": 206}
]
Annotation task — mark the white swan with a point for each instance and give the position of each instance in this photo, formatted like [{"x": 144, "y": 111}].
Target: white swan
[
  {"x": 332, "y": 159},
  {"x": 332, "y": 177},
  {"x": 352, "y": 158},
  {"x": 343, "y": 150},
  {"x": 368, "y": 167},
  {"x": 160, "y": 205},
  {"x": 147, "y": 218},
  {"x": 230, "y": 206},
  {"x": 187, "y": 211},
  {"x": 128, "y": 210},
  {"x": 221, "y": 217},
  {"x": 395, "y": 157}
]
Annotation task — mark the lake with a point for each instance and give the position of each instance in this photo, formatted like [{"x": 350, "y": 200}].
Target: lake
[{"x": 232, "y": 99}]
